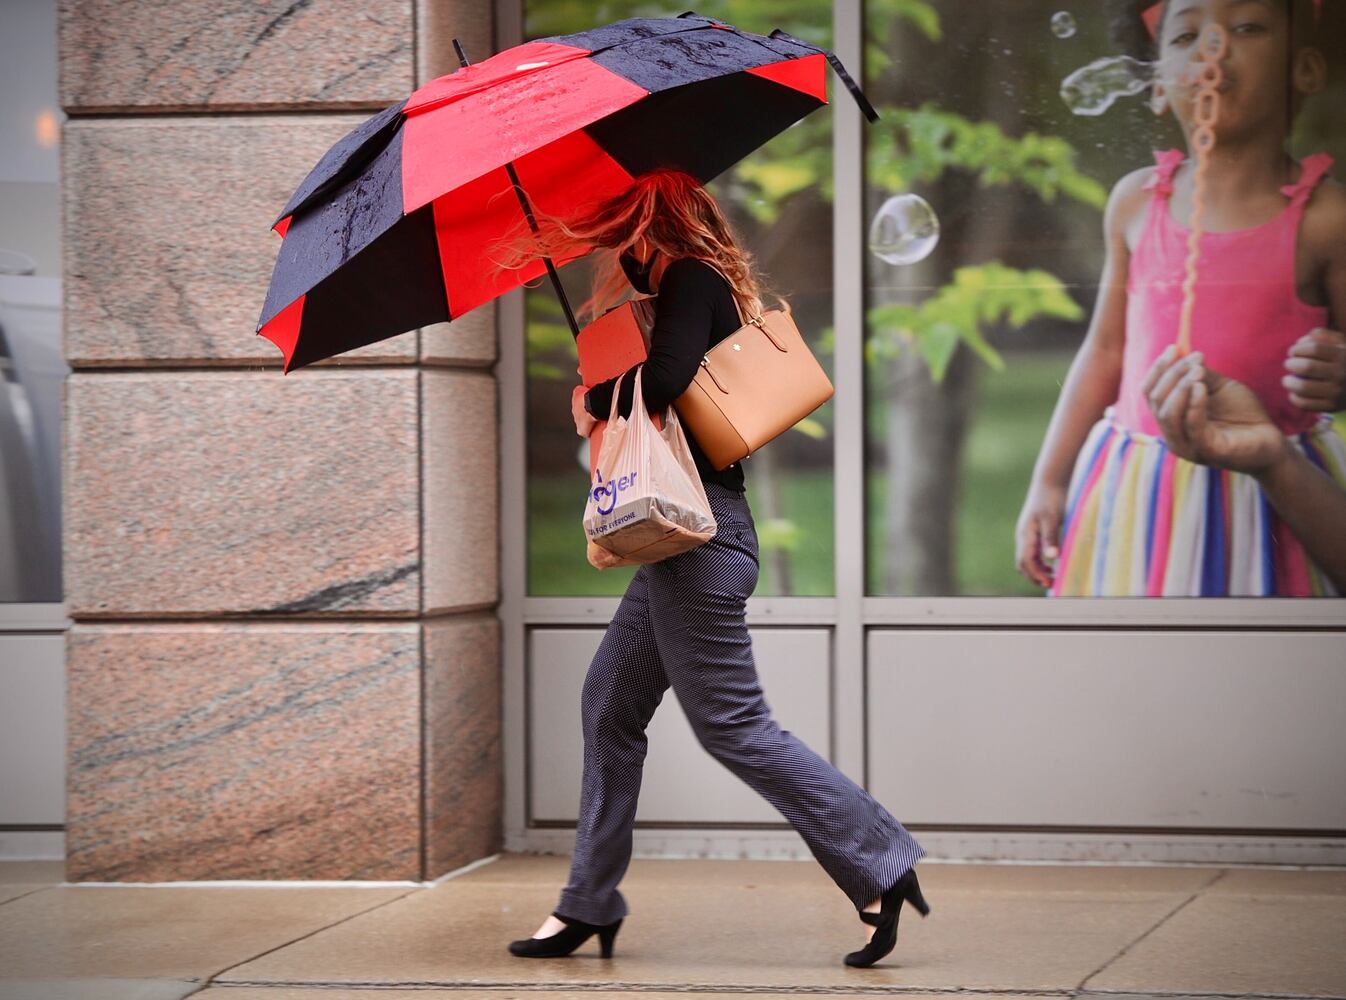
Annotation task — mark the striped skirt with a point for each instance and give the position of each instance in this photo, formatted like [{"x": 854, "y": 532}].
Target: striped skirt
[{"x": 1140, "y": 521}]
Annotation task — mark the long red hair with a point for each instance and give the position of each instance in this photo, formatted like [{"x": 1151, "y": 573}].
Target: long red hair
[{"x": 670, "y": 208}]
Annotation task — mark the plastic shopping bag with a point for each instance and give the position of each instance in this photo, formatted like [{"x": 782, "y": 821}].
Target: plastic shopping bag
[{"x": 646, "y": 501}]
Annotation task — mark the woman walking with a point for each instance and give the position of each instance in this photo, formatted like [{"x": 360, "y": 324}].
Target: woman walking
[{"x": 681, "y": 620}]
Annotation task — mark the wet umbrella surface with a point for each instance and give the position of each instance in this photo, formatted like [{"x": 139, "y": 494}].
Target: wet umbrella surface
[{"x": 392, "y": 229}]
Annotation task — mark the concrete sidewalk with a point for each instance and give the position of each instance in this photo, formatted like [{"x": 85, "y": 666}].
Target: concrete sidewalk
[{"x": 713, "y": 929}]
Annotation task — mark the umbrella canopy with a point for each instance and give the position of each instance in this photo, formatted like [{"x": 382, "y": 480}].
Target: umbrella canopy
[{"x": 392, "y": 229}]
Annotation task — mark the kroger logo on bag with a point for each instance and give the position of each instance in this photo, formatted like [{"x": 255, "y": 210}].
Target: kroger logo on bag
[{"x": 605, "y": 495}]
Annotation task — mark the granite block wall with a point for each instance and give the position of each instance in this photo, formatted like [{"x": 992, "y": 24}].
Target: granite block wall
[{"x": 285, "y": 661}]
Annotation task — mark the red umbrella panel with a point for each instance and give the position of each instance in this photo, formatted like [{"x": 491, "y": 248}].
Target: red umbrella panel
[{"x": 393, "y": 228}]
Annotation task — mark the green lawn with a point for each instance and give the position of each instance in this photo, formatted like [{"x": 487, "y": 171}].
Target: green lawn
[
  {"x": 557, "y": 565},
  {"x": 1016, "y": 406},
  {"x": 1013, "y": 410}
]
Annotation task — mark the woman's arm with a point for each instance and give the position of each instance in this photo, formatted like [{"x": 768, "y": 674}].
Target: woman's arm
[
  {"x": 683, "y": 315},
  {"x": 1090, "y": 387},
  {"x": 1215, "y": 420}
]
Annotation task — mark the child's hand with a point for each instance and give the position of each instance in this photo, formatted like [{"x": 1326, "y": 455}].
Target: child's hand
[
  {"x": 1035, "y": 537},
  {"x": 1208, "y": 418},
  {"x": 1317, "y": 366},
  {"x": 584, "y": 420}
]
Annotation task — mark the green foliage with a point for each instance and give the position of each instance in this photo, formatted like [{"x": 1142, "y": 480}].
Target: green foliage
[
  {"x": 548, "y": 334},
  {"x": 810, "y": 20},
  {"x": 919, "y": 13},
  {"x": 979, "y": 297},
  {"x": 811, "y": 428},
  {"x": 913, "y": 146},
  {"x": 800, "y": 158},
  {"x": 923, "y": 15},
  {"x": 921, "y": 144},
  {"x": 779, "y": 533},
  {"x": 797, "y": 160},
  {"x": 909, "y": 146}
]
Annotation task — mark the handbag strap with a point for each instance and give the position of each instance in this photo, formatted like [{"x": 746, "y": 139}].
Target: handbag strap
[
  {"x": 737, "y": 308},
  {"x": 759, "y": 322}
]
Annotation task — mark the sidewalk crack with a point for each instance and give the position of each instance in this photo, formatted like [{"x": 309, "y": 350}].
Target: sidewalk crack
[
  {"x": 210, "y": 980},
  {"x": 1084, "y": 983},
  {"x": 25, "y": 895}
]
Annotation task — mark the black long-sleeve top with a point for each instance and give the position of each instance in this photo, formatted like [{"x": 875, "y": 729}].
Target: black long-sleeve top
[{"x": 693, "y": 312}]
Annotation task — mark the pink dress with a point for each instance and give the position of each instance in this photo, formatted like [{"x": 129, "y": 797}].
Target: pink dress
[{"x": 1141, "y": 521}]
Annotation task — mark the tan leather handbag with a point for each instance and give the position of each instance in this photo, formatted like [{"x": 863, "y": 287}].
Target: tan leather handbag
[{"x": 751, "y": 387}]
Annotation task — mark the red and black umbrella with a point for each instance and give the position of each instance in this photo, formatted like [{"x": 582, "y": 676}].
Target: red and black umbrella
[{"x": 392, "y": 229}]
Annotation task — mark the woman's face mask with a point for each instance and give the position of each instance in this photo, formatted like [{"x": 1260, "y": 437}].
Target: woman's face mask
[{"x": 636, "y": 272}]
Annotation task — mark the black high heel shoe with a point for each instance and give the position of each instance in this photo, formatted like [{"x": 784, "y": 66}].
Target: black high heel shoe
[
  {"x": 905, "y": 889},
  {"x": 566, "y": 940}
]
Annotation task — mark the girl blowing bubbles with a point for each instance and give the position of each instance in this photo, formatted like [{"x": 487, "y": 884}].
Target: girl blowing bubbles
[{"x": 1118, "y": 512}]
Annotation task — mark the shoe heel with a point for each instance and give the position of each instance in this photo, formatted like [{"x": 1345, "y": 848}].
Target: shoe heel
[
  {"x": 916, "y": 899},
  {"x": 606, "y": 937}
]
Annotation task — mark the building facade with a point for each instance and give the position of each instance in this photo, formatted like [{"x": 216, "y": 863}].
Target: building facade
[{"x": 333, "y": 624}]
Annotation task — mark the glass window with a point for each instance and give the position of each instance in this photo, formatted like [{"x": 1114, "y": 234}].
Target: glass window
[
  {"x": 1012, "y": 122},
  {"x": 32, "y": 366},
  {"x": 779, "y": 200}
]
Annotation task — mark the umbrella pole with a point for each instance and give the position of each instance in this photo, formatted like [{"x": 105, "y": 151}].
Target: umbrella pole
[{"x": 532, "y": 222}]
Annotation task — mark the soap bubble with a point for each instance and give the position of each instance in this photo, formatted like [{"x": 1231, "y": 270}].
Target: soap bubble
[
  {"x": 904, "y": 230},
  {"x": 1063, "y": 24},
  {"x": 1092, "y": 89}
]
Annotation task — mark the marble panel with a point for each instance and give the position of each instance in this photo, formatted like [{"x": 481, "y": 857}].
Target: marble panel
[
  {"x": 191, "y": 54},
  {"x": 460, "y": 435},
  {"x": 243, "y": 751},
  {"x": 217, "y": 493},
  {"x": 469, "y": 341},
  {"x": 167, "y": 242},
  {"x": 464, "y": 797}
]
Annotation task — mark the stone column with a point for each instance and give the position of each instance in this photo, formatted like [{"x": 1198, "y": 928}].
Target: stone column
[{"x": 285, "y": 658}]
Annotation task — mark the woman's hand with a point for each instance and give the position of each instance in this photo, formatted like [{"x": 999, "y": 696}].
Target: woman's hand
[
  {"x": 1035, "y": 536},
  {"x": 1209, "y": 418},
  {"x": 584, "y": 420},
  {"x": 1317, "y": 366}
]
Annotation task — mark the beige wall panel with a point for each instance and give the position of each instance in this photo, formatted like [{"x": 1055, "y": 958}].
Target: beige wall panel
[
  {"x": 461, "y": 489},
  {"x": 1174, "y": 730},
  {"x": 172, "y": 55},
  {"x": 168, "y": 250},
  {"x": 32, "y": 728},
  {"x": 682, "y": 783},
  {"x": 209, "y": 493},
  {"x": 464, "y": 788},
  {"x": 211, "y": 751}
]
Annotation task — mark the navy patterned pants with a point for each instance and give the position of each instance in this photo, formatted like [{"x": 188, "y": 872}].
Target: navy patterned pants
[{"x": 681, "y": 622}]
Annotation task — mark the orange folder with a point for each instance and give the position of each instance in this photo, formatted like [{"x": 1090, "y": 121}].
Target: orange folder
[{"x": 608, "y": 346}]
